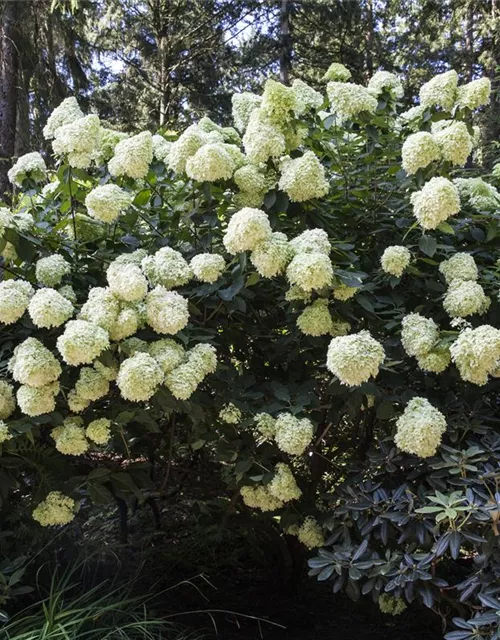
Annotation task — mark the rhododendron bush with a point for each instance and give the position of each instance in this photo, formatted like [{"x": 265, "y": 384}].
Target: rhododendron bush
[{"x": 308, "y": 300}]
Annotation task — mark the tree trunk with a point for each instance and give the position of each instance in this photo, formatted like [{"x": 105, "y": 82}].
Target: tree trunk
[
  {"x": 469, "y": 41},
  {"x": 286, "y": 42},
  {"x": 369, "y": 39},
  {"x": 9, "y": 61}
]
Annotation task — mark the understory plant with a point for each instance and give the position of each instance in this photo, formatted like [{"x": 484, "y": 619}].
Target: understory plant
[{"x": 308, "y": 299}]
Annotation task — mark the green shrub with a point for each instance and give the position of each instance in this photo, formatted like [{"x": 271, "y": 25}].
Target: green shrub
[{"x": 317, "y": 320}]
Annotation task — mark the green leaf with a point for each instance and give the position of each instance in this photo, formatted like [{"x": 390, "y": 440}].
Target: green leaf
[
  {"x": 428, "y": 245},
  {"x": 445, "y": 227}
]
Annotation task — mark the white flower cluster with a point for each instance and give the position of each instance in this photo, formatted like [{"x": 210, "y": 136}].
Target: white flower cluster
[
  {"x": 420, "y": 337},
  {"x": 183, "y": 381},
  {"x": 132, "y": 156},
  {"x": 310, "y": 533},
  {"x": 312, "y": 241},
  {"x": 263, "y": 139},
  {"x": 30, "y": 165},
  {"x": 107, "y": 201},
  {"x": 243, "y": 104},
  {"x": 391, "y": 605},
  {"x": 7, "y": 400},
  {"x": 167, "y": 353},
  {"x": 15, "y": 296},
  {"x": 349, "y": 100},
  {"x": 211, "y": 162},
  {"x": 271, "y": 256},
  {"x": 70, "y": 437},
  {"x": 82, "y": 342},
  {"x": 385, "y": 81},
  {"x": 337, "y": 72},
  {"x": 161, "y": 148},
  {"x": 278, "y": 102},
  {"x": 292, "y": 435},
  {"x": 230, "y": 414},
  {"x": 355, "y": 358},
  {"x": 305, "y": 97},
  {"x": 454, "y": 142},
  {"x": 91, "y": 385},
  {"x": 461, "y": 266},
  {"x": 48, "y": 308},
  {"x": 78, "y": 140},
  {"x": 477, "y": 193},
  {"x": 395, "y": 259},
  {"x": 35, "y": 401},
  {"x": 303, "y": 178},
  {"x": 5, "y": 434},
  {"x": 259, "y": 497},
  {"x": 51, "y": 270},
  {"x": 266, "y": 425},
  {"x": 167, "y": 268},
  {"x": 66, "y": 113},
  {"x": 474, "y": 94},
  {"x": 476, "y": 353},
  {"x": 56, "y": 509},
  {"x": 108, "y": 139},
  {"x": 253, "y": 183},
  {"x": 33, "y": 364},
  {"x": 283, "y": 485},
  {"x": 418, "y": 151},
  {"x": 420, "y": 428},
  {"x": 440, "y": 91},
  {"x": 166, "y": 311},
  {"x": 316, "y": 320},
  {"x": 139, "y": 377},
  {"x": 465, "y": 298},
  {"x": 435, "y": 202},
  {"x": 207, "y": 267},
  {"x": 343, "y": 292},
  {"x": 246, "y": 230},
  {"x": 418, "y": 334},
  {"x": 99, "y": 431}
]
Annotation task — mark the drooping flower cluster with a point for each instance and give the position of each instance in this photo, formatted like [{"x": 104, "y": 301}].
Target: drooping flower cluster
[
  {"x": 33, "y": 364},
  {"x": 107, "y": 201},
  {"x": 476, "y": 353},
  {"x": 132, "y": 156},
  {"x": 461, "y": 266},
  {"x": 48, "y": 308},
  {"x": 207, "y": 267},
  {"x": 440, "y": 91},
  {"x": 477, "y": 193},
  {"x": 316, "y": 320},
  {"x": 420, "y": 428},
  {"x": 355, "y": 358},
  {"x": 230, "y": 414},
  {"x": 99, "y": 431},
  {"x": 418, "y": 334},
  {"x": 56, "y": 509},
  {"x": 385, "y": 81},
  {"x": 303, "y": 178},
  {"x": 418, "y": 151},
  {"x": 465, "y": 298},
  {"x": 311, "y": 270},
  {"x": 395, "y": 259},
  {"x": 292, "y": 435},
  {"x": 474, "y": 94},
  {"x": 139, "y": 377},
  {"x": 349, "y": 100},
  {"x": 200, "y": 361},
  {"x": 78, "y": 141},
  {"x": 82, "y": 342},
  {"x": 454, "y": 142},
  {"x": 166, "y": 311},
  {"x": 435, "y": 202},
  {"x": 246, "y": 230},
  {"x": 67, "y": 112},
  {"x": 283, "y": 486},
  {"x": 7, "y": 400},
  {"x": 70, "y": 437},
  {"x": 15, "y": 296},
  {"x": 259, "y": 497},
  {"x": 31, "y": 166},
  {"x": 391, "y": 605},
  {"x": 51, "y": 270},
  {"x": 310, "y": 533},
  {"x": 161, "y": 148}
]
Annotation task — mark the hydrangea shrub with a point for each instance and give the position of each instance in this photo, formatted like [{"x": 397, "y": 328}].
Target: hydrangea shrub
[{"x": 308, "y": 299}]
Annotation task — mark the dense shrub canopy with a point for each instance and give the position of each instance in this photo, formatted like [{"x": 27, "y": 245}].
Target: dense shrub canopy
[{"x": 309, "y": 299}]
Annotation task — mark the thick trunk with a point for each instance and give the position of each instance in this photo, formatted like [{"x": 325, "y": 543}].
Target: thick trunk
[
  {"x": 8, "y": 89},
  {"x": 286, "y": 42}
]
